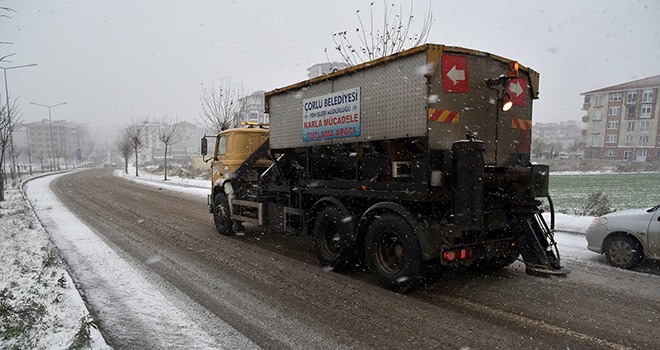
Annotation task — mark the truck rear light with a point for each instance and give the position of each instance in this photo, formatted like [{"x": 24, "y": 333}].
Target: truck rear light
[
  {"x": 463, "y": 254},
  {"x": 457, "y": 254},
  {"x": 512, "y": 69}
]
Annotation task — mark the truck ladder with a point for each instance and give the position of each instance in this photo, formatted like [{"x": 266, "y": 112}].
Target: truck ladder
[{"x": 537, "y": 245}]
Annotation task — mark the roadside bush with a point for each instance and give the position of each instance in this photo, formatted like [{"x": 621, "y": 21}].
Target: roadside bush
[{"x": 596, "y": 204}]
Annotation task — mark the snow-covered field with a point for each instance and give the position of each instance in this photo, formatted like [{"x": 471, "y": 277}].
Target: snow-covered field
[{"x": 35, "y": 282}]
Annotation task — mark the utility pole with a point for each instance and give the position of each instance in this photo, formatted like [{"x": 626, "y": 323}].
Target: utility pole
[
  {"x": 50, "y": 119},
  {"x": 11, "y": 140}
]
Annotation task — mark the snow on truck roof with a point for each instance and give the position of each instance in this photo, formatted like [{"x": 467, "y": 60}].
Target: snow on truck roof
[{"x": 433, "y": 53}]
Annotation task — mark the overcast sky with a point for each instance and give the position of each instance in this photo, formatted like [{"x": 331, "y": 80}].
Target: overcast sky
[{"x": 117, "y": 61}]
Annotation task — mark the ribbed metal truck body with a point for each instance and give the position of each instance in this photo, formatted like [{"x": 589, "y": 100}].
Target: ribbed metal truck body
[{"x": 433, "y": 91}]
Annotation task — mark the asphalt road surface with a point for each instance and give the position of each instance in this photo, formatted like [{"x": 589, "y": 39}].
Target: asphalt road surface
[{"x": 270, "y": 287}]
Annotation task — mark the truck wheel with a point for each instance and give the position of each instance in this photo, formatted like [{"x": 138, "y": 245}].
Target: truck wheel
[
  {"x": 221, "y": 215},
  {"x": 393, "y": 253},
  {"x": 623, "y": 251},
  {"x": 332, "y": 240}
]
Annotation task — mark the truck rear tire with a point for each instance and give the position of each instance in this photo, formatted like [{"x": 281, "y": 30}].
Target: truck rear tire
[
  {"x": 221, "y": 216},
  {"x": 393, "y": 252},
  {"x": 332, "y": 240}
]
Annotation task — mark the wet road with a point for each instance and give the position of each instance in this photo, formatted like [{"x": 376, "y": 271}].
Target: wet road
[{"x": 270, "y": 287}]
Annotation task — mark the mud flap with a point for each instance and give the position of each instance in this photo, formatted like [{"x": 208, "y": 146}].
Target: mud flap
[{"x": 537, "y": 246}]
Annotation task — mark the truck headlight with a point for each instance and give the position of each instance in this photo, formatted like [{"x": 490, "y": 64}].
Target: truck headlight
[{"x": 601, "y": 220}]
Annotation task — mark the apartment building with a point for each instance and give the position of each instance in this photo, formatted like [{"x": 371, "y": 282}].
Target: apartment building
[
  {"x": 69, "y": 140},
  {"x": 622, "y": 121}
]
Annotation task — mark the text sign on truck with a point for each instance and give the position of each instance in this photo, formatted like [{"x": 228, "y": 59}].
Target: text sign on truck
[{"x": 332, "y": 116}]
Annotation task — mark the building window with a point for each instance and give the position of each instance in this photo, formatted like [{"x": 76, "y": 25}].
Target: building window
[
  {"x": 626, "y": 155},
  {"x": 645, "y": 125},
  {"x": 596, "y": 127},
  {"x": 632, "y": 111},
  {"x": 598, "y": 114},
  {"x": 657, "y": 153},
  {"x": 615, "y": 97},
  {"x": 587, "y": 99},
  {"x": 614, "y": 111},
  {"x": 644, "y": 140},
  {"x": 598, "y": 101},
  {"x": 614, "y": 125},
  {"x": 610, "y": 152},
  {"x": 647, "y": 96},
  {"x": 632, "y": 97},
  {"x": 629, "y": 140},
  {"x": 641, "y": 153},
  {"x": 631, "y": 126},
  {"x": 610, "y": 139},
  {"x": 645, "y": 112},
  {"x": 594, "y": 140}
]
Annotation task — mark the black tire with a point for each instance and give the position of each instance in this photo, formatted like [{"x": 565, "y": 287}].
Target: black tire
[
  {"x": 221, "y": 215},
  {"x": 623, "y": 251},
  {"x": 393, "y": 253},
  {"x": 332, "y": 240}
]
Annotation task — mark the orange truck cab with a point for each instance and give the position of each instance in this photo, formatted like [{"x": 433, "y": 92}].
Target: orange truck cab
[{"x": 232, "y": 147}]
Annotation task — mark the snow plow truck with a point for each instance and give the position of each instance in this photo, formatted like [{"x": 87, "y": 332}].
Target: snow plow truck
[{"x": 417, "y": 159}]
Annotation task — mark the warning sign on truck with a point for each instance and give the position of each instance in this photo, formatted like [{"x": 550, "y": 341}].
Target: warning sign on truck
[{"x": 332, "y": 116}]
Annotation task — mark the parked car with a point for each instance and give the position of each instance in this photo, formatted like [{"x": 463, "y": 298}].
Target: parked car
[{"x": 626, "y": 237}]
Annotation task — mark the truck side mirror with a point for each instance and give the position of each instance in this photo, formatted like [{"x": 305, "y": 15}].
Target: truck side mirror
[{"x": 204, "y": 146}]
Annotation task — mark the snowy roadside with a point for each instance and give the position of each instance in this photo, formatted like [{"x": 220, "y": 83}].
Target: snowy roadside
[
  {"x": 129, "y": 299},
  {"x": 40, "y": 306}
]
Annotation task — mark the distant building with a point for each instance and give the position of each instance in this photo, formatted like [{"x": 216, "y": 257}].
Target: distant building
[
  {"x": 622, "y": 121},
  {"x": 184, "y": 147},
  {"x": 69, "y": 141},
  {"x": 320, "y": 69},
  {"x": 255, "y": 106},
  {"x": 564, "y": 133}
]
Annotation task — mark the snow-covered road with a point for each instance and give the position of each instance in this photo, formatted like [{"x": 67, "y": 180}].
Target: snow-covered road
[{"x": 132, "y": 302}]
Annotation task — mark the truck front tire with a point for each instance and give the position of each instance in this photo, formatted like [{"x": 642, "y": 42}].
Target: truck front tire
[
  {"x": 221, "y": 215},
  {"x": 332, "y": 241},
  {"x": 393, "y": 252}
]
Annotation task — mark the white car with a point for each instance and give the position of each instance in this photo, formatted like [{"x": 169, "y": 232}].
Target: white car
[{"x": 626, "y": 237}]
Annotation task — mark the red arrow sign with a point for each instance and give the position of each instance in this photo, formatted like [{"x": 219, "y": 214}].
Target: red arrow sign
[
  {"x": 455, "y": 74},
  {"x": 516, "y": 91}
]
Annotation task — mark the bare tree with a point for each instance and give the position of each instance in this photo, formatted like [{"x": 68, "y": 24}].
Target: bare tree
[
  {"x": 124, "y": 146},
  {"x": 136, "y": 134},
  {"x": 222, "y": 106},
  {"x": 40, "y": 156},
  {"x": 167, "y": 132},
  {"x": 9, "y": 122},
  {"x": 17, "y": 154},
  {"x": 395, "y": 35},
  {"x": 29, "y": 151}
]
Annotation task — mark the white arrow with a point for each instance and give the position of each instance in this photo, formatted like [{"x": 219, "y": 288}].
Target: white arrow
[
  {"x": 516, "y": 88},
  {"x": 455, "y": 75}
]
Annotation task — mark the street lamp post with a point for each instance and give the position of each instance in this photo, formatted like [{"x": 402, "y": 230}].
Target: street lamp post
[
  {"x": 50, "y": 120},
  {"x": 11, "y": 140}
]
